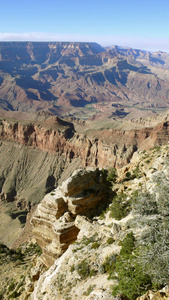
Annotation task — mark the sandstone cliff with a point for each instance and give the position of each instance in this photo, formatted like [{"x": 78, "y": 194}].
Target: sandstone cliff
[
  {"x": 102, "y": 148},
  {"x": 54, "y": 219}
]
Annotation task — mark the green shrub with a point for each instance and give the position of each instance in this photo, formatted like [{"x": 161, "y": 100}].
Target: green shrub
[
  {"x": 19, "y": 254},
  {"x": 13, "y": 295},
  {"x": 83, "y": 269},
  {"x": 152, "y": 213},
  {"x": 89, "y": 290},
  {"x": 127, "y": 244},
  {"x": 110, "y": 241},
  {"x": 147, "y": 161},
  {"x": 120, "y": 207},
  {"x": 112, "y": 175},
  {"x": 33, "y": 248},
  {"x": 128, "y": 176},
  {"x": 102, "y": 215},
  {"x": 109, "y": 265},
  {"x": 11, "y": 287},
  {"x": 92, "y": 272},
  {"x": 72, "y": 268},
  {"x": 135, "y": 174},
  {"x": 143, "y": 203},
  {"x": 132, "y": 282},
  {"x": 144, "y": 264},
  {"x": 90, "y": 240},
  {"x": 157, "y": 148},
  {"x": 95, "y": 245}
]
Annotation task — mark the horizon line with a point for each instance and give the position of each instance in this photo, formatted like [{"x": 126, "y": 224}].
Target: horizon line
[
  {"x": 82, "y": 42},
  {"x": 150, "y": 44}
]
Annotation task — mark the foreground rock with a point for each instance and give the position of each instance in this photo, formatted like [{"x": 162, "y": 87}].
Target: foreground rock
[
  {"x": 159, "y": 295},
  {"x": 54, "y": 220}
]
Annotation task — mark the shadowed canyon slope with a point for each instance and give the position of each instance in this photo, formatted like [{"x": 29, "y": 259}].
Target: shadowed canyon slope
[{"x": 65, "y": 77}]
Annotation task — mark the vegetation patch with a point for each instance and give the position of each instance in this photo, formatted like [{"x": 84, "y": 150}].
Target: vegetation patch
[
  {"x": 112, "y": 175},
  {"x": 95, "y": 245},
  {"x": 33, "y": 248},
  {"x": 82, "y": 269},
  {"x": 136, "y": 173},
  {"x": 16, "y": 265},
  {"x": 110, "y": 241},
  {"x": 89, "y": 290},
  {"x": 132, "y": 281},
  {"x": 120, "y": 206},
  {"x": 143, "y": 263},
  {"x": 86, "y": 241}
]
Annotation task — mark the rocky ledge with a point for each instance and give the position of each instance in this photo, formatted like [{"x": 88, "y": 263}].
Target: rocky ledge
[{"x": 54, "y": 219}]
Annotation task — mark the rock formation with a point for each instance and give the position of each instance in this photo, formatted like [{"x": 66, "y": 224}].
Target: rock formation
[
  {"x": 54, "y": 220},
  {"x": 163, "y": 294}
]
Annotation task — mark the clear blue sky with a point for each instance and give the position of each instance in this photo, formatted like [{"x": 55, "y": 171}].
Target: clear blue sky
[{"x": 139, "y": 24}]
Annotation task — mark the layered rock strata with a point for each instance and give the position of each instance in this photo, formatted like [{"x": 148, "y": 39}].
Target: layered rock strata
[
  {"x": 103, "y": 148},
  {"x": 54, "y": 220}
]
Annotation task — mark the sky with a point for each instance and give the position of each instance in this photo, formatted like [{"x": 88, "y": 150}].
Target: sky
[{"x": 137, "y": 24}]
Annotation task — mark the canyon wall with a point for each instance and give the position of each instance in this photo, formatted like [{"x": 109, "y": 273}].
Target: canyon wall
[
  {"x": 35, "y": 157},
  {"x": 104, "y": 148}
]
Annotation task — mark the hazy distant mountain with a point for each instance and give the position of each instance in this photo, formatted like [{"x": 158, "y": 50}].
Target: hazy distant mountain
[{"x": 156, "y": 59}]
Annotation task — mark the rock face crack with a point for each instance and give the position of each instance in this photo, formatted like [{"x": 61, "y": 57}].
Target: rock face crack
[{"x": 54, "y": 219}]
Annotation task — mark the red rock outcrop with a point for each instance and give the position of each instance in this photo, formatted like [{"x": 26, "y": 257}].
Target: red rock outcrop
[{"x": 104, "y": 149}]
